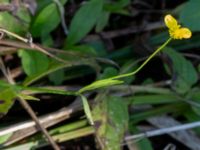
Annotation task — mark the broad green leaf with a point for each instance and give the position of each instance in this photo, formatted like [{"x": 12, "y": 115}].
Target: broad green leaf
[
  {"x": 29, "y": 80},
  {"x": 190, "y": 15},
  {"x": 46, "y": 20},
  {"x": 87, "y": 110},
  {"x": 10, "y": 23},
  {"x": 185, "y": 72},
  {"x": 33, "y": 62},
  {"x": 54, "y": 66},
  {"x": 83, "y": 21},
  {"x": 111, "y": 121},
  {"x": 14, "y": 24},
  {"x": 6, "y": 100}
]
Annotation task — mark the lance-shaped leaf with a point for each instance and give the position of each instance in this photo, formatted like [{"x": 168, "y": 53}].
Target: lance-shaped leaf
[{"x": 100, "y": 84}]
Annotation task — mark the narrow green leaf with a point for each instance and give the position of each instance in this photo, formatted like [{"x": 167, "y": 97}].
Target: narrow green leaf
[
  {"x": 100, "y": 84},
  {"x": 87, "y": 110},
  {"x": 152, "y": 99},
  {"x": 27, "y": 97},
  {"x": 170, "y": 108},
  {"x": 69, "y": 127},
  {"x": 39, "y": 90}
]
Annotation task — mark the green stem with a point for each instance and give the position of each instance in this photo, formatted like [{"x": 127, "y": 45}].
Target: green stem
[{"x": 144, "y": 63}]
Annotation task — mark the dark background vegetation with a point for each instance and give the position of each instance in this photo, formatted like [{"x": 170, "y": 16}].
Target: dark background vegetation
[{"x": 98, "y": 39}]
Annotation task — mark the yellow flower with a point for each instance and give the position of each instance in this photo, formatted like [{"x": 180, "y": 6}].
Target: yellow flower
[{"x": 175, "y": 30}]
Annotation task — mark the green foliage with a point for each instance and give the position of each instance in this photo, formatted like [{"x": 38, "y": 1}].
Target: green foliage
[
  {"x": 103, "y": 67},
  {"x": 33, "y": 62},
  {"x": 102, "y": 21},
  {"x": 100, "y": 84},
  {"x": 4, "y": 138},
  {"x": 108, "y": 72},
  {"x": 184, "y": 71},
  {"x": 190, "y": 15},
  {"x": 57, "y": 77},
  {"x": 12, "y": 24},
  {"x": 7, "y": 96},
  {"x": 46, "y": 20},
  {"x": 111, "y": 121},
  {"x": 143, "y": 144},
  {"x": 87, "y": 110},
  {"x": 83, "y": 21},
  {"x": 117, "y": 7}
]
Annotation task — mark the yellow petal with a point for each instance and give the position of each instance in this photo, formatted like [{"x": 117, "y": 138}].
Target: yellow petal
[
  {"x": 186, "y": 33},
  {"x": 182, "y": 33},
  {"x": 171, "y": 22}
]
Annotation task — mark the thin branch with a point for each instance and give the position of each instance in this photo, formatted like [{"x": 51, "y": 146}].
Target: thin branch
[
  {"x": 6, "y": 7},
  {"x": 61, "y": 114},
  {"x": 29, "y": 41},
  {"x": 163, "y": 131},
  {"x": 123, "y": 32},
  {"x": 34, "y": 117}
]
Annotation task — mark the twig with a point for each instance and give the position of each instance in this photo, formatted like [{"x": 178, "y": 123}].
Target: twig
[
  {"x": 187, "y": 138},
  {"x": 25, "y": 129},
  {"x": 6, "y": 7},
  {"x": 34, "y": 46},
  {"x": 34, "y": 117},
  {"x": 122, "y": 32},
  {"x": 163, "y": 131}
]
